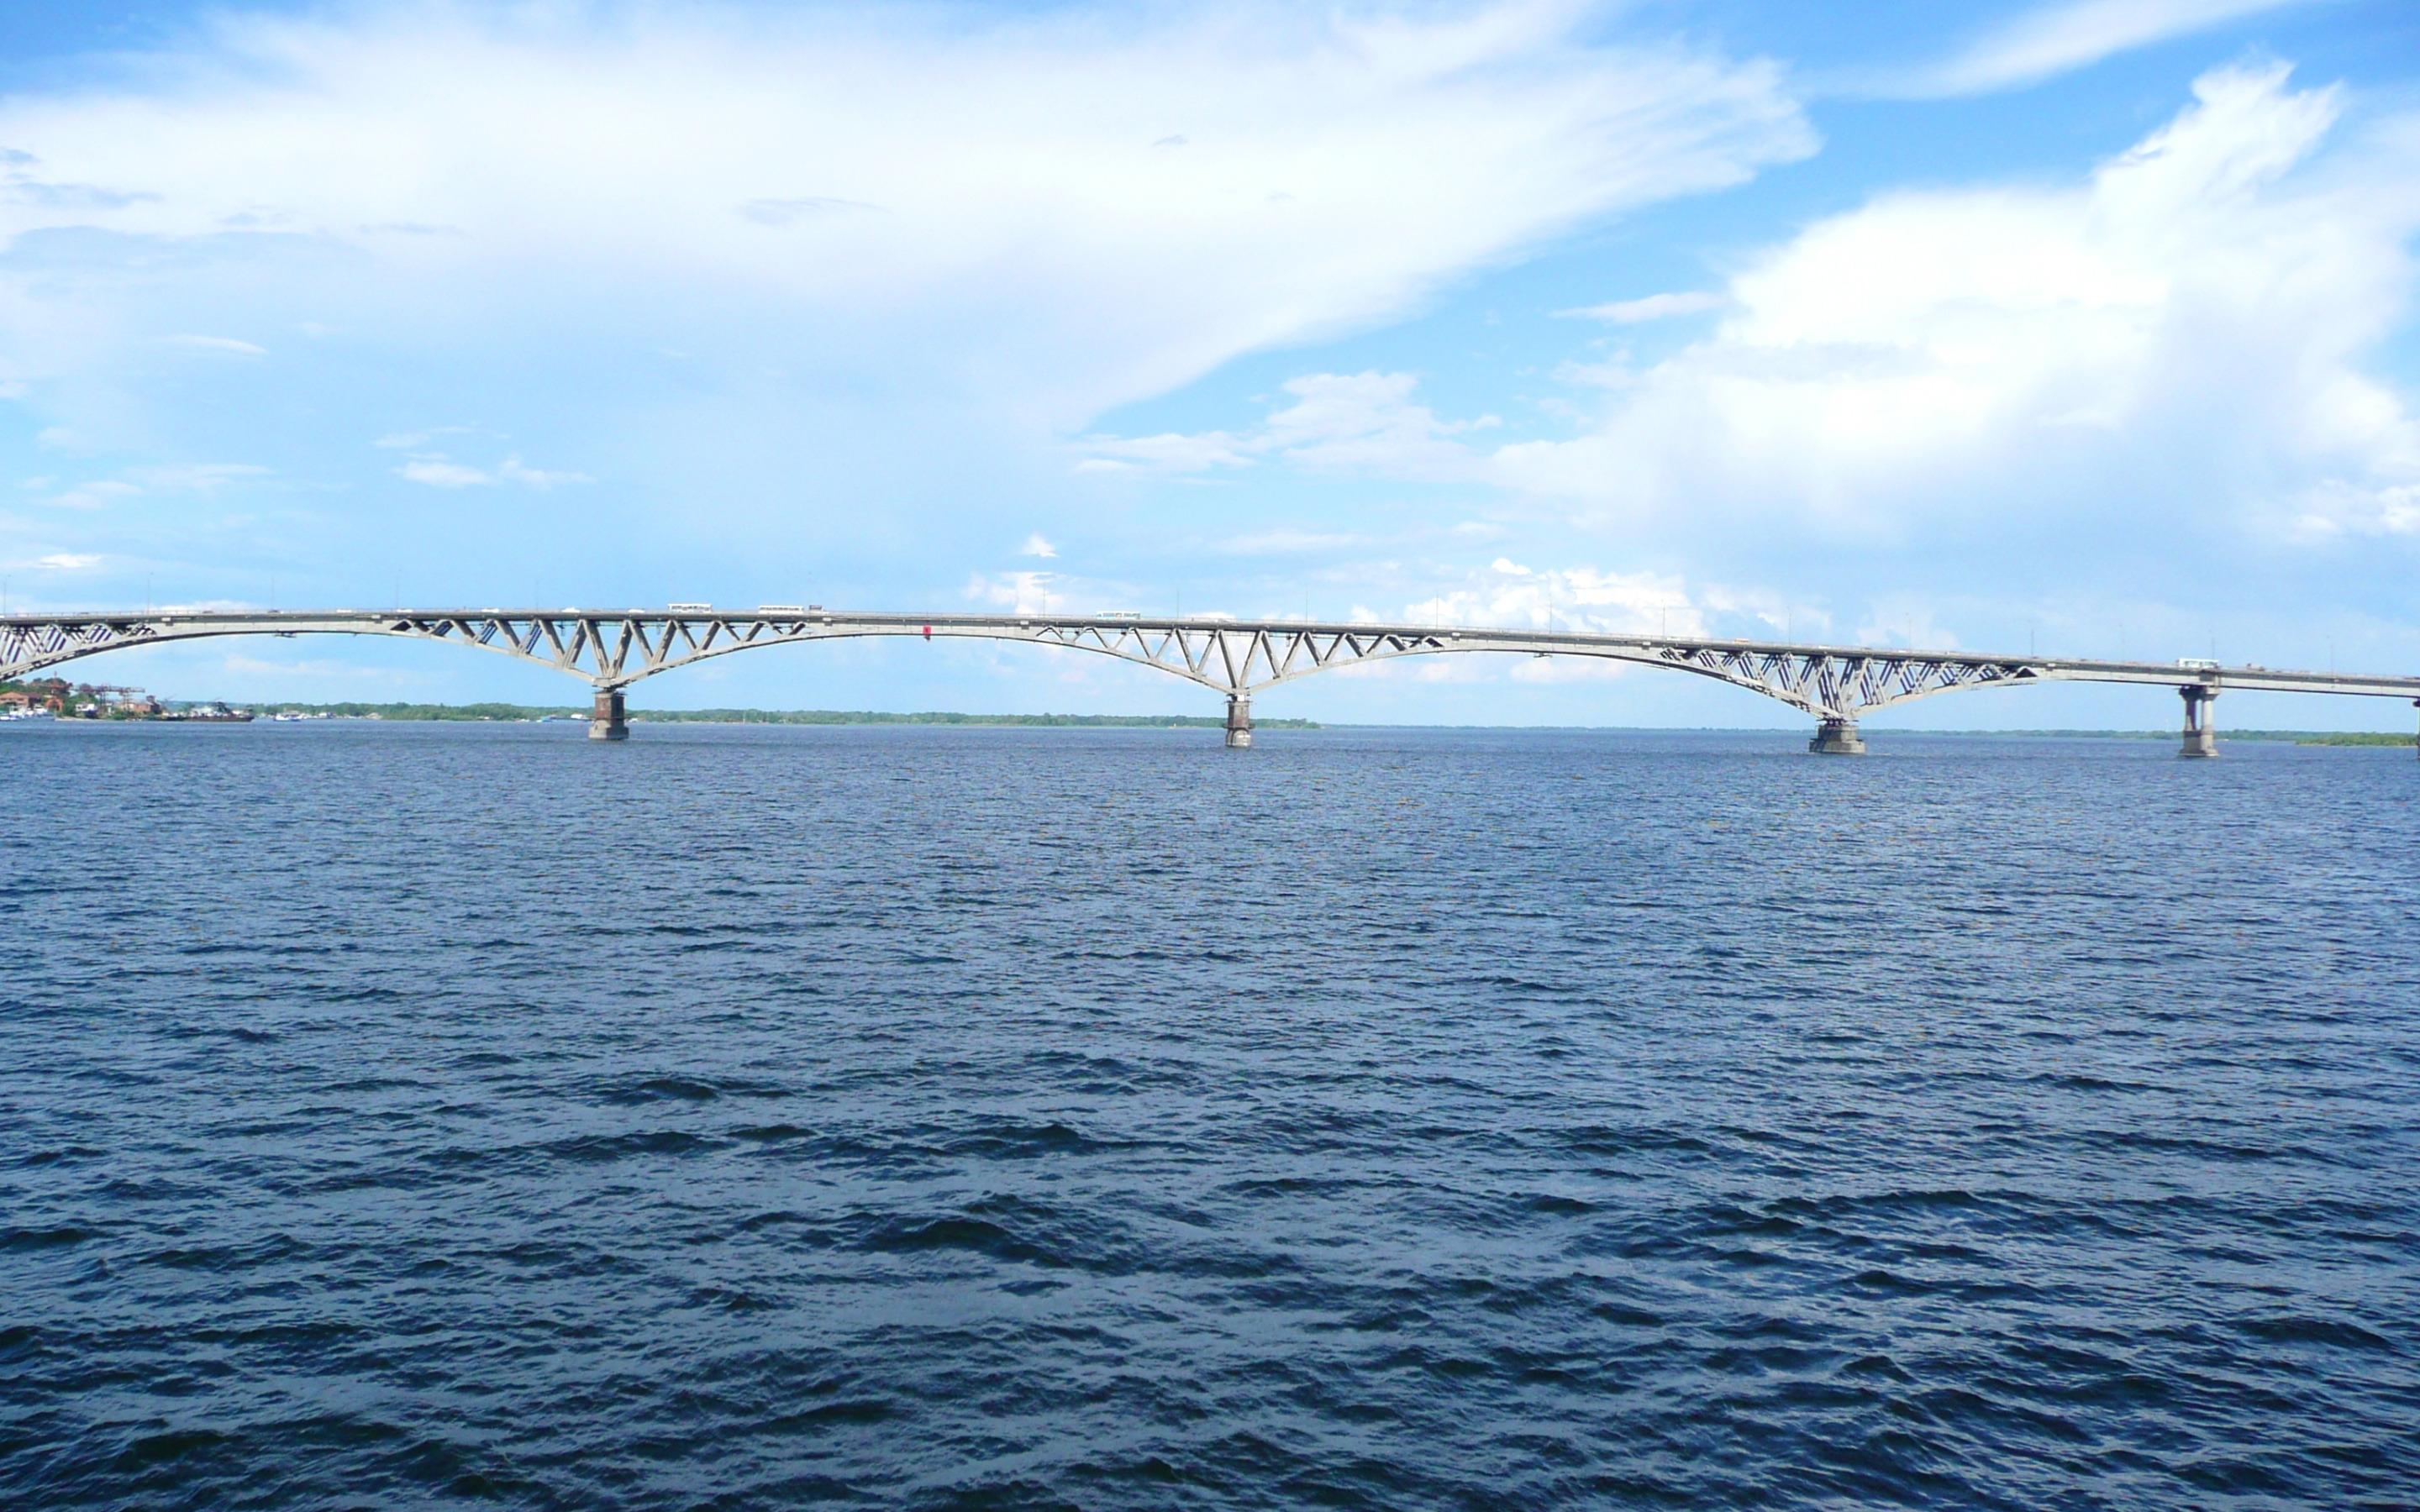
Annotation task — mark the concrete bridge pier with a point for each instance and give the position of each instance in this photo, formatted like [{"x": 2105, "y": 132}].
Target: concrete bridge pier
[
  {"x": 2201, "y": 721},
  {"x": 1836, "y": 737},
  {"x": 1240, "y": 721},
  {"x": 606, "y": 722}
]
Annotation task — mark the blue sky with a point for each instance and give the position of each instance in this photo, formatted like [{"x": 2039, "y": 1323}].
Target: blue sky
[{"x": 2086, "y": 326}]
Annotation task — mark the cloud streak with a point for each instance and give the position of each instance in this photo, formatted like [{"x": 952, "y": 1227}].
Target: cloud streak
[
  {"x": 994, "y": 206},
  {"x": 220, "y": 344},
  {"x": 2055, "y": 40},
  {"x": 1654, "y": 307},
  {"x": 437, "y": 471},
  {"x": 1337, "y": 421}
]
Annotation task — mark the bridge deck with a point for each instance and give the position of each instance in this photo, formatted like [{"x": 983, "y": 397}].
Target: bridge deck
[{"x": 613, "y": 648}]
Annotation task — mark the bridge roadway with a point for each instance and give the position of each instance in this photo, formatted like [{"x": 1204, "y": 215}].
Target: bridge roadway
[{"x": 612, "y": 649}]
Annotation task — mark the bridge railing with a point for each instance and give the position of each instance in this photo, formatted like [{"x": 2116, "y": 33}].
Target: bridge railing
[{"x": 612, "y": 649}]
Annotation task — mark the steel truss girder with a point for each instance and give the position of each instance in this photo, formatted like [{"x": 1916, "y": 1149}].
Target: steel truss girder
[
  {"x": 1844, "y": 685},
  {"x": 612, "y": 649}
]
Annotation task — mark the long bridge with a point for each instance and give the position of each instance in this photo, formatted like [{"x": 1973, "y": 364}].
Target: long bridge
[{"x": 612, "y": 649}]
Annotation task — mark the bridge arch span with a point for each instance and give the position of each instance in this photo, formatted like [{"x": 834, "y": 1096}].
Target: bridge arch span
[{"x": 613, "y": 649}]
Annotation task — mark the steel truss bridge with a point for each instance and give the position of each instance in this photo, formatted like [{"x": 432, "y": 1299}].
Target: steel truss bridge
[{"x": 612, "y": 649}]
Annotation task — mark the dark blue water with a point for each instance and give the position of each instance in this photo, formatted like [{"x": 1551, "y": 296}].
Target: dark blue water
[{"x": 426, "y": 1116}]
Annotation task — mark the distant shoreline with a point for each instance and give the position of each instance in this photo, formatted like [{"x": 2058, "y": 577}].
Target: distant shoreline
[
  {"x": 520, "y": 713},
  {"x": 524, "y": 713},
  {"x": 2298, "y": 737}
]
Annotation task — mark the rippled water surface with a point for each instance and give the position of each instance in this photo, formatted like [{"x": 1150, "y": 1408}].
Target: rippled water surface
[{"x": 418, "y": 1116}]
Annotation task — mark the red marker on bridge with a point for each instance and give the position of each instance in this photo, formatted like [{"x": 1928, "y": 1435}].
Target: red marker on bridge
[{"x": 928, "y": 632}]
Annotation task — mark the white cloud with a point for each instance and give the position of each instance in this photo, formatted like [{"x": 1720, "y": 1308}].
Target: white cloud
[
  {"x": 204, "y": 478},
  {"x": 2055, "y": 39},
  {"x": 94, "y": 495},
  {"x": 1036, "y": 546},
  {"x": 1018, "y": 593},
  {"x": 220, "y": 344},
  {"x": 1163, "y": 454},
  {"x": 440, "y": 473},
  {"x": 71, "y": 560},
  {"x": 1287, "y": 538},
  {"x": 786, "y": 212},
  {"x": 1654, "y": 307},
  {"x": 1367, "y": 420},
  {"x": 978, "y": 200},
  {"x": 407, "y": 440},
  {"x": 512, "y": 470},
  {"x": 2169, "y": 350},
  {"x": 1511, "y": 597},
  {"x": 1900, "y": 623},
  {"x": 1361, "y": 422},
  {"x": 2173, "y": 343}
]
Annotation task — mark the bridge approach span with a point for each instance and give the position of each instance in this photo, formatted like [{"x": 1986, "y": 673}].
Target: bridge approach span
[{"x": 612, "y": 649}]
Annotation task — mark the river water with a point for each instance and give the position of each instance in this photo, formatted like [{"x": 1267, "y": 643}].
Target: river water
[{"x": 431, "y": 1116}]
